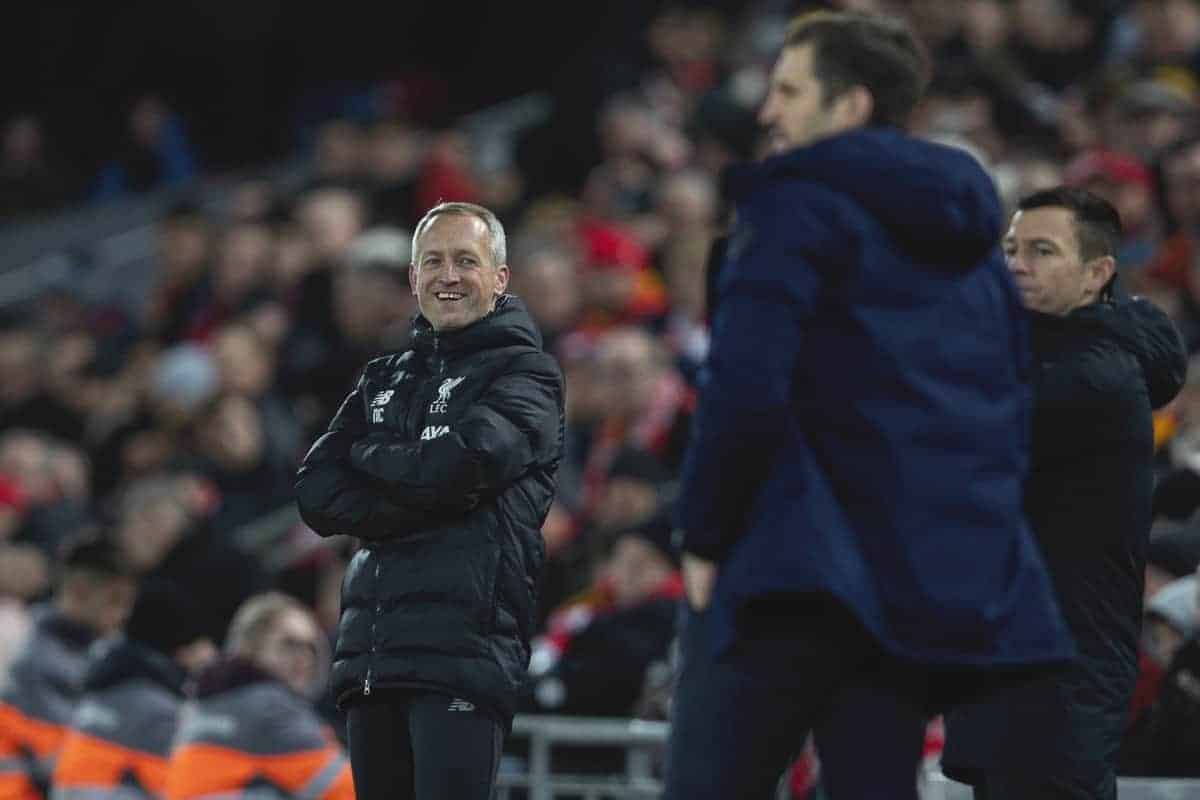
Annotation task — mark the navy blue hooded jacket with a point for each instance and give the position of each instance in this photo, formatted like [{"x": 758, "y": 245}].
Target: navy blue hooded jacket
[{"x": 864, "y": 415}]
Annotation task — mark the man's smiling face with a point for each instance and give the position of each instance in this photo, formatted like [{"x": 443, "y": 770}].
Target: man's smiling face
[{"x": 453, "y": 274}]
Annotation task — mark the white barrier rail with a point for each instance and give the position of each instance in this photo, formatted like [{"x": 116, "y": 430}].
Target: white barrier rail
[
  {"x": 939, "y": 787},
  {"x": 639, "y": 738},
  {"x": 643, "y": 740}
]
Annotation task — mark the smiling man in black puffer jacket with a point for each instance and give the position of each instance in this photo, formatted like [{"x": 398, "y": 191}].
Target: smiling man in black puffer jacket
[{"x": 443, "y": 462}]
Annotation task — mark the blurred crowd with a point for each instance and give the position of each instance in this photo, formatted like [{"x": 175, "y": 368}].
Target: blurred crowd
[{"x": 169, "y": 432}]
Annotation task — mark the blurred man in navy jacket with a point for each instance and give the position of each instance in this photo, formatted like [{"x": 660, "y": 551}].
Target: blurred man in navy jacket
[{"x": 855, "y": 550}]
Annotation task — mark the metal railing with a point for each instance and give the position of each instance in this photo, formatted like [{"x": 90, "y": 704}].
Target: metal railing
[
  {"x": 107, "y": 252},
  {"x": 643, "y": 741},
  {"x": 938, "y": 787},
  {"x": 639, "y": 738}
]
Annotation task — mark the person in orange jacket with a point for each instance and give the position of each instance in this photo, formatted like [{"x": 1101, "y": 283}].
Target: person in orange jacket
[
  {"x": 252, "y": 725},
  {"x": 118, "y": 741},
  {"x": 38, "y": 694}
]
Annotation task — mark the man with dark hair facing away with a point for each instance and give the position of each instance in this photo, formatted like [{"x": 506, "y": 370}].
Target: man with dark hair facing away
[
  {"x": 855, "y": 556},
  {"x": 1103, "y": 363}
]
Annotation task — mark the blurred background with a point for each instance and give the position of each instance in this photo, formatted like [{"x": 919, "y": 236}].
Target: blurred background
[{"x": 205, "y": 223}]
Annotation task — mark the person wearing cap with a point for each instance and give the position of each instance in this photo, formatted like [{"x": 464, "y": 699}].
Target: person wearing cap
[
  {"x": 443, "y": 461},
  {"x": 93, "y": 595},
  {"x": 121, "y": 733},
  {"x": 252, "y": 726}
]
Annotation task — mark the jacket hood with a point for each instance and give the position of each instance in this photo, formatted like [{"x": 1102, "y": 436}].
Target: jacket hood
[
  {"x": 1144, "y": 330},
  {"x": 936, "y": 202},
  {"x": 508, "y": 324},
  {"x": 54, "y": 623},
  {"x": 123, "y": 660}
]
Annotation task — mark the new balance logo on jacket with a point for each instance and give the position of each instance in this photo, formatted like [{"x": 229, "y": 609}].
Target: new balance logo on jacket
[
  {"x": 380, "y": 400},
  {"x": 434, "y": 431},
  {"x": 458, "y": 704}
]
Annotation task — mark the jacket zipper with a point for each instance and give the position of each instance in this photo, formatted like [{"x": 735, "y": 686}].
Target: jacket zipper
[
  {"x": 439, "y": 367},
  {"x": 374, "y": 622}
]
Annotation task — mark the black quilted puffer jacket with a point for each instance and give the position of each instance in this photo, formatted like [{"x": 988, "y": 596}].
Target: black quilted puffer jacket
[{"x": 443, "y": 462}]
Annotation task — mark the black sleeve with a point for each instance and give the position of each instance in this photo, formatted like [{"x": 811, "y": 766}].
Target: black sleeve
[
  {"x": 334, "y": 498},
  {"x": 515, "y": 425}
]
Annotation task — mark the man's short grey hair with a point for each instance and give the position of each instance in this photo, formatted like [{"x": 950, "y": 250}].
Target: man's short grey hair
[{"x": 495, "y": 229}]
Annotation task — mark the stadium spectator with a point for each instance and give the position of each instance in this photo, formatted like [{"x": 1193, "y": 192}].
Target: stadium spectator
[
  {"x": 93, "y": 594},
  {"x": 548, "y": 280},
  {"x": 231, "y": 450},
  {"x": 593, "y": 658},
  {"x": 184, "y": 238},
  {"x": 252, "y": 727},
  {"x": 1128, "y": 185},
  {"x": 31, "y": 182},
  {"x": 121, "y": 732},
  {"x": 1171, "y": 732},
  {"x": 246, "y": 365},
  {"x": 164, "y": 527},
  {"x": 155, "y": 152}
]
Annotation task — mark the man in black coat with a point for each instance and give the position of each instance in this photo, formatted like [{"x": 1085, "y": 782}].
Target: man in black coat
[
  {"x": 1103, "y": 362},
  {"x": 443, "y": 462}
]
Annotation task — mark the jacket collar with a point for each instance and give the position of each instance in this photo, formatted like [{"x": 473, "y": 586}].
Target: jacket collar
[{"x": 509, "y": 323}]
